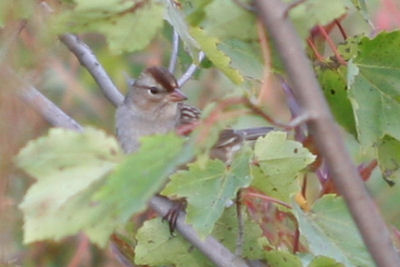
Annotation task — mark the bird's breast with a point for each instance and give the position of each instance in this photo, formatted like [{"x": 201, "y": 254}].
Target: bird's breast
[{"x": 131, "y": 127}]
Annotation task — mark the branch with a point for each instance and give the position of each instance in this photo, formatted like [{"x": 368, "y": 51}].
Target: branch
[
  {"x": 327, "y": 134},
  {"x": 51, "y": 113},
  {"x": 90, "y": 62},
  {"x": 239, "y": 214},
  {"x": 190, "y": 71},
  {"x": 49, "y": 110},
  {"x": 210, "y": 247},
  {"x": 174, "y": 53}
]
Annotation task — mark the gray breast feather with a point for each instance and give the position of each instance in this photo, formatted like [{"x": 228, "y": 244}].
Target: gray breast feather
[{"x": 130, "y": 127}]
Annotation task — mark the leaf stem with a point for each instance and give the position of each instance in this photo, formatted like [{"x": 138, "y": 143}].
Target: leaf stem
[
  {"x": 331, "y": 45},
  {"x": 239, "y": 213},
  {"x": 268, "y": 198}
]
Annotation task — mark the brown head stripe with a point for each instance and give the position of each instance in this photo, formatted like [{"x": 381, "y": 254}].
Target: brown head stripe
[{"x": 163, "y": 77}]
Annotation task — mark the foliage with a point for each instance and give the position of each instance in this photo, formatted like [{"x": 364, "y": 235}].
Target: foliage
[
  {"x": 280, "y": 162},
  {"x": 329, "y": 224},
  {"x": 125, "y": 23},
  {"x": 207, "y": 187},
  {"x": 85, "y": 184}
]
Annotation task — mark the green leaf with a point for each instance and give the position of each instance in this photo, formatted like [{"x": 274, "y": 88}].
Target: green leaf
[
  {"x": 127, "y": 25},
  {"x": 245, "y": 57},
  {"x": 73, "y": 192},
  {"x": 176, "y": 19},
  {"x": 389, "y": 157},
  {"x": 232, "y": 29},
  {"x": 315, "y": 12},
  {"x": 280, "y": 162},
  {"x": 195, "y": 10},
  {"x": 361, "y": 5},
  {"x": 321, "y": 261},
  {"x": 156, "y": 247},
  {"x": 208, "y": 186},
  {"x": 56, "y": 160},
  {"x": 387, "y": 199},
  {"x": 330, "y": 231},
  {"x": 334, "y": 86},
  {"x": 226, "y": 19},
  {"x": 222, "y": 61},
  {"x": 349, "y": 49},
  {"x": 276, "y": 258},
  {"x": 226, "y": 231},
  {"x": 374, "y": 91},
  {"x": 141, "y": 175},
  {"x": 65, "y": 164}
]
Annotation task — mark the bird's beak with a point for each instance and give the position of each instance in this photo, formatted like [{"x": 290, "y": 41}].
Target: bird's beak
[{"x": 176, "y": 96}]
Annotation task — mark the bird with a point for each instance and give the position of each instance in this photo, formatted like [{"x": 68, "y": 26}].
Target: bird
[{"x": 154, "y": 105}]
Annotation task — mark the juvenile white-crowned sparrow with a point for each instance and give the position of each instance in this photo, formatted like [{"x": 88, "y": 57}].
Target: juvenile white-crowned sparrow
[{"x": 154, "y": 104}]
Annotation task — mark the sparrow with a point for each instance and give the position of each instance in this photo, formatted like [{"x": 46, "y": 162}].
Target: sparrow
[{"x": 154, "y": 105}]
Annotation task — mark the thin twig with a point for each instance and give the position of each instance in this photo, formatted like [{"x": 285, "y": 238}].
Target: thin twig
[
  {"x": 319, "y": 57},
  {"x": 331, "y": 45},
  {"x": 342, "y": 31},
  {"x": 90, "y": 62},
  {"x": 49, "y": 110},
  {"x": 52, "y": 113},
  {"x": 295, "y": 110},
  {"x": 286, "y": 126},
  {"x": 174, "y": 53},
  {"x": 266, "y": 88},
  {"x": 239, "y": 213},
  {"x": 83, "y": 247},
  {"x": 216, "y": 252},
  {"x": 190, "y": 71},
  {"x": 11, "y": 36},
  {"x": 268, "y": 198},
  {"x": 327, "y": 134}
]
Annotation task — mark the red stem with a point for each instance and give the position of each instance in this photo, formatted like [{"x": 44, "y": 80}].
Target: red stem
[
  {"x": 331, "y": 45},
  {"x": 296, "y": 241},
  {"x": 83, "y": 247},
  {"x": 267, "y": 198},
  {"x": 310, "y": 42},
  {"x": 304, "y": 186},
  {"x": 342, "y": 31}
]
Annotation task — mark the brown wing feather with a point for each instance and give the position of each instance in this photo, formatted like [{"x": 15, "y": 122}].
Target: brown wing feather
[{"x": 188, "y": 114}]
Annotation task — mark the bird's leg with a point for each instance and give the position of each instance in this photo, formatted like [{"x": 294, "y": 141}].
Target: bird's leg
[{"x": 173, "y": 214}]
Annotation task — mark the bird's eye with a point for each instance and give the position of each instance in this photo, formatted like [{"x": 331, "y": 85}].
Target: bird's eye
[{"x": 153, "y": 90}]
